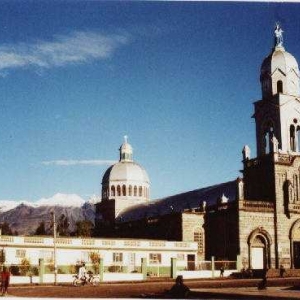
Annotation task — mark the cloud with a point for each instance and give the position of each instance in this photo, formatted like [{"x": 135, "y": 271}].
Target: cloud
[
  {"x": 95, "y": 162},
  {"x": 74, "y": 48}
]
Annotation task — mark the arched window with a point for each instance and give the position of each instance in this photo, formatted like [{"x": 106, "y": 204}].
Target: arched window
[
  {"x": 198, "y": 238},
  {"x": 130, "y": 191},
  {"x": 268, "y": 142},
  {"x": 140, "y": 191},
  {"x": 135, "y": 191},
  {"x": 118, "y": 190},
  {"x": 124, "y": 190},
  {"x": 113, "y": 191},
  {"x": 292, "y": 138},
  {"x": 279, "y": 87}
]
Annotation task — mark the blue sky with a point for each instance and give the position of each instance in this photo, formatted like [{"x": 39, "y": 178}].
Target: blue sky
[{"x": 179, "y": 78}]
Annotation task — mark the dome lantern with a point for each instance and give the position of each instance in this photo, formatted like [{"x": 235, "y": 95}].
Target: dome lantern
[{"x": 125, "y": 151}]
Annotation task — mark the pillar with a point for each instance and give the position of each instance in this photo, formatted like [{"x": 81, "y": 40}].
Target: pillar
[
  {"x": 101, "y": 269},
  {"x": 144, "y": 268},
  {"x": 212, "y": 266},
  {"x": 173, "y": 267},
  {"x": 239, "y": 262},
  {"x": 41, "y": 270}
]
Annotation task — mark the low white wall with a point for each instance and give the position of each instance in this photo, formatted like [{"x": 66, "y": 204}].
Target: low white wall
[
  {"x": 68, "y": 278},
  {"x": 23, "y": 279},
  {"x": 48, "y": 278},
  {"x": 203, "y": 274},
  {"x": 65, "y": 278}
]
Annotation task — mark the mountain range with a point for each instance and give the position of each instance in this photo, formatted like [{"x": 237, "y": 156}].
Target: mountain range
[{"x": 25, "y": 216}]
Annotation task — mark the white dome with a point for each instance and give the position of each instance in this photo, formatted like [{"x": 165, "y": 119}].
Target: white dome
[
  {"x": 279, "y": 74},
  {"x": 125, "y": 171},
  {"x": 279, "y": 59},
  {"x": 126, "y": 180}
]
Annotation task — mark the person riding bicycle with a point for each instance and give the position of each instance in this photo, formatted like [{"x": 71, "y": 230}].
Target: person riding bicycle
[{"x": 82, "y": 273}]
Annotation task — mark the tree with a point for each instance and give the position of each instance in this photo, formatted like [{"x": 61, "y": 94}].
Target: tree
[
  {"x": 41, "y": 230},
  {"x": 24, "y": 266},
  {"x": 5, "y": 229},
  {"x": 95, "y": 259},
  {"x": 63, "y": 226},
  {"x": 84, "y": 228}
]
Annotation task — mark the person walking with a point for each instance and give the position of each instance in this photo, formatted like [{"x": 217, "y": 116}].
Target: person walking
[
  {"x": 5, "y": 278},
  {"x": 282, "y": 271},
  {"x": 222, "y": 269}
]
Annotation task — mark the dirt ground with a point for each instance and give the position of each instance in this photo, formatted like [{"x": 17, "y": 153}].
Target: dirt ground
[
  {"x": 129, "y": 290},
  {"x": 152, "y": 288}
]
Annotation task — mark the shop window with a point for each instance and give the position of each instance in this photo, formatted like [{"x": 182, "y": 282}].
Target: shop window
[
  {"x": 117, "y": 257},
  {"x": 20, "y": 253}
]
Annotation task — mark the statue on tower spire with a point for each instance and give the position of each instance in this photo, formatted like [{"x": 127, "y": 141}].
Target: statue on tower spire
[{"x": 278, "y": 36}]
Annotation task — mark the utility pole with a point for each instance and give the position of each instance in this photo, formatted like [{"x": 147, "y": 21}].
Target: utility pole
[{"x": 54, "y": 245}]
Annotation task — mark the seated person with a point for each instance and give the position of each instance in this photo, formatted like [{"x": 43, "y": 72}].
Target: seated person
[{"x": 179, "y": 290}]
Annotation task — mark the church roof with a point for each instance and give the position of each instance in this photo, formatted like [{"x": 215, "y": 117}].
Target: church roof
[{"x": 180, "y": 202}]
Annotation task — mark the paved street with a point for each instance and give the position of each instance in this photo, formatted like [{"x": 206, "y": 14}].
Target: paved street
[{"x": 201, "y": 289}]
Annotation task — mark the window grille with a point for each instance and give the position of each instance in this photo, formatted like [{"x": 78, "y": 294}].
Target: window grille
[{"x": 155, "y": 258}]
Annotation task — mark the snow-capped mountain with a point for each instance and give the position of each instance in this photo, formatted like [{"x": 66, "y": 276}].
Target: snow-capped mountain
[
  {"x": 61, "y": 200},
  {"x": 25, "y": 216}
]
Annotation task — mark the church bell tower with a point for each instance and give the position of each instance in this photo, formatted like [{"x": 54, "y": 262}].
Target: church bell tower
[
  {"x": 277, "y": 115},
  {"x": 271, "y": 181}
]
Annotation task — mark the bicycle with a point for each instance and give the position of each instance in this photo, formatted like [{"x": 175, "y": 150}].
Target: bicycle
[{"x": 91, "y": 279}]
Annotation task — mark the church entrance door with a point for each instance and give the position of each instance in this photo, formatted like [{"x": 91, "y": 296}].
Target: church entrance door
[
  {"x": 259, "y": 249},
  {"x": 297, "y": 255},
  {"x": 295, "y": 245},
  {"x": 257, "y": 258}
]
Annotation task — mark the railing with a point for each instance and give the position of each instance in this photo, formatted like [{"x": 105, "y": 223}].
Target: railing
[
  {"x": 295, "y": 208},
  {"x": 249, "y": 205},
  {"x": 8, "y": 239},
  {"x": 33, "y": 240},
  {"x": 226, "y": 264},
  {"x": 95, "y": 243},
  {"x": 285, "y": 159},
  {"x": 204, "y": 265}
]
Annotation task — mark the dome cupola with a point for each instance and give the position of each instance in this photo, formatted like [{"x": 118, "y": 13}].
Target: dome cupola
[
  {"x": 126, "y": 151},
  {"x": 279, "y": 70}
]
